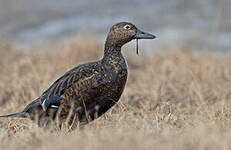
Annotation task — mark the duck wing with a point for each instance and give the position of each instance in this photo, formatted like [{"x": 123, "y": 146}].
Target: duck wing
[{"x": 52, "y": 96}]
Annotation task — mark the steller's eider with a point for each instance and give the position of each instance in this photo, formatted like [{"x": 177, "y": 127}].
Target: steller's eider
[{"x": 88, "y": 90}]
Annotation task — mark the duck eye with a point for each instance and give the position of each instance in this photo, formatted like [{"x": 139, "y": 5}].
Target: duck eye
[{"x": 127, "y": 27}]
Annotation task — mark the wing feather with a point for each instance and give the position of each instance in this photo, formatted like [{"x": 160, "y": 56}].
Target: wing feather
[{"x": 65, "y": 81}]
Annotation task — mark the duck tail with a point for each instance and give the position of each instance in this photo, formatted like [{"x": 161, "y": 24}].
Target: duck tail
[{"x": 17, "y": 114}]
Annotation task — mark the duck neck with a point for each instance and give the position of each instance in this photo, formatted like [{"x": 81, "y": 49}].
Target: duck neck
[
  {"x": 111, "y": 51},
  {"x": 113, "y": 56}
]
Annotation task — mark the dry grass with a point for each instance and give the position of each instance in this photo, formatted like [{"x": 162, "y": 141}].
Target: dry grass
[{"x": 173, "y": 100}]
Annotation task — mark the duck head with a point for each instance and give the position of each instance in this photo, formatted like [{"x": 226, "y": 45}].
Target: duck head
[{"x": 123, "y": 32}]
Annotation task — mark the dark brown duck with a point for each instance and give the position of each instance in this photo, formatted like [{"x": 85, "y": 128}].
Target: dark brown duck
[{"x": 88, "y": 90}]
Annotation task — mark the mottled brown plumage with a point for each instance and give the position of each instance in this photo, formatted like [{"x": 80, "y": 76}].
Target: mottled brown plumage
[{"x": 88, "y": 90}]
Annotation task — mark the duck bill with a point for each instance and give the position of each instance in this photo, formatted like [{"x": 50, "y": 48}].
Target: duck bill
[{"x": 142, "y": 35}]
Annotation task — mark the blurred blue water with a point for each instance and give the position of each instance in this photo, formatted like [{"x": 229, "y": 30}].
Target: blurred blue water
[{"x": 200, "y": 24}]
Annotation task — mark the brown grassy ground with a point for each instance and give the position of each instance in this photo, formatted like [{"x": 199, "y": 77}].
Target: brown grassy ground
[{"x": 173, "y": 100}]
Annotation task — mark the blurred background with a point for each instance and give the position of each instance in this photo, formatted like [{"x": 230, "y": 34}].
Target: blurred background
[{"x": 198, "y": 24}]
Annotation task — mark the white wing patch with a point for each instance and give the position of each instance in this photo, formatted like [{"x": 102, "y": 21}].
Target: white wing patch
[
  {"x": 43, "y": 105},
  {"x": 53, "y": 106}
]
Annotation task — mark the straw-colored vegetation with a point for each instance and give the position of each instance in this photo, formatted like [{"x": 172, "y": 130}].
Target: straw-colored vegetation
[{"x": 173, "y": 100}]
